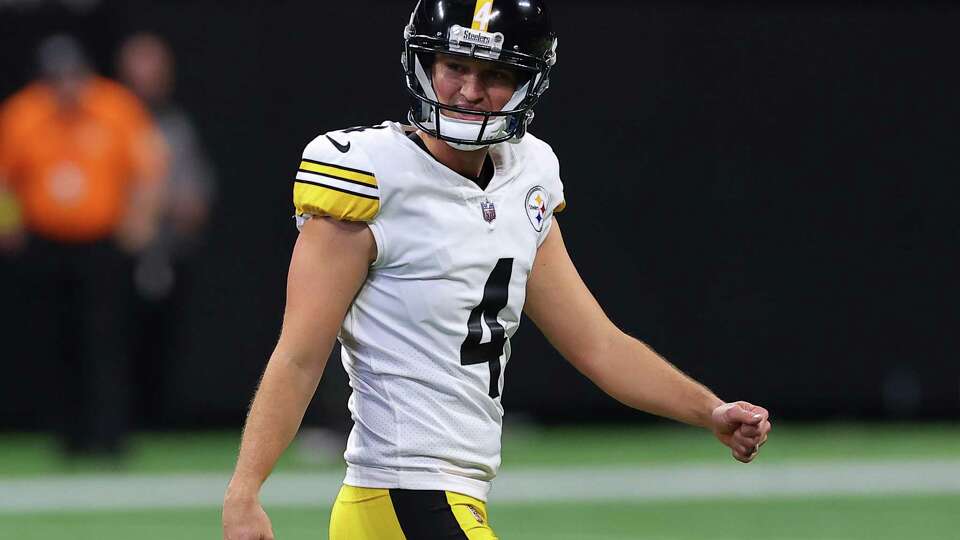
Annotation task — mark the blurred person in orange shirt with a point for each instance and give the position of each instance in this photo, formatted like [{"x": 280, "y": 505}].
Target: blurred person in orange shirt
[
  {"x": 164, "y": 271},
  {"x": 81, "y": 170}
]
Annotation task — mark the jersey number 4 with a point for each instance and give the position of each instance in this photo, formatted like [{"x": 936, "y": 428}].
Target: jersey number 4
[{"x": 495, "y": 296}]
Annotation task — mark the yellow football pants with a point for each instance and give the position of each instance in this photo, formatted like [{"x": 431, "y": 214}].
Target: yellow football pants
[{"x": 397, "y": 514}]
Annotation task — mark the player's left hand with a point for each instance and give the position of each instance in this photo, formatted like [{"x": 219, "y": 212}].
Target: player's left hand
[{"x": 741, "y": 426}]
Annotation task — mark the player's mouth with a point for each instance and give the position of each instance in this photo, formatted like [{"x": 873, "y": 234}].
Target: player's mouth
[{"x": 462, "y": 116}]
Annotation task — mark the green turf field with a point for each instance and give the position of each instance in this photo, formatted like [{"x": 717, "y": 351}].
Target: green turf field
[
  {"x": 811, "y": 517},
  {"x": 29, "y": 455},
  {"x": 901, "y": 518}
]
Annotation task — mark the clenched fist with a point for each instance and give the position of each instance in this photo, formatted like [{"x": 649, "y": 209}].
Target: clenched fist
[
  {"x": 743, "y": 427},
  {"x": 244, "y": 519}
]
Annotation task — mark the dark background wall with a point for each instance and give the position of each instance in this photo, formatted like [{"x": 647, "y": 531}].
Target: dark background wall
[{"x": 767, "y": 193}]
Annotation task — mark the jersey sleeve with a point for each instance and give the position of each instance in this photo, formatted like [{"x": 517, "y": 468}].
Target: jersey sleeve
[
  {"x": 556, "y": 202},
  {"x": 334, "y": 183}
]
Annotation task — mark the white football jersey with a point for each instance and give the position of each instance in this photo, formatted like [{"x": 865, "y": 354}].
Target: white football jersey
[{"x": 427, "y": 339}]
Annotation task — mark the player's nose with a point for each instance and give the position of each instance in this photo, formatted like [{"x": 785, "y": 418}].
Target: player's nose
[{"x": 472, "y": 89}]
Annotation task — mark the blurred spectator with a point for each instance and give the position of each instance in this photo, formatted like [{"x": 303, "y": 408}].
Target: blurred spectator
[
  {"x": 81, "y": 170},
  {"x": 163, "y": 272}
]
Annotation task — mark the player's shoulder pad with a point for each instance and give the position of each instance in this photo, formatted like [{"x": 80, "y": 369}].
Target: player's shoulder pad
[
  {"x": 336, "y": 177},
  {"x": 547, "y": 161}
]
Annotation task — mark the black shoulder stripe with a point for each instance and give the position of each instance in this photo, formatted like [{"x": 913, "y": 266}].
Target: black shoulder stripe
[
  {"x": 337, "y": 178},
  {"x": 347, "y": 191},
  {"x": 341, "y": 167}
]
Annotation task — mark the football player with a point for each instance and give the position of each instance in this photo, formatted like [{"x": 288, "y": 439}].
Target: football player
[{"x": 420, "y": 246}]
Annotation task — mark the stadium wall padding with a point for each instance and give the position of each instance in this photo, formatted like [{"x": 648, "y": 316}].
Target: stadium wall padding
[{"x": 767, "y": 193}]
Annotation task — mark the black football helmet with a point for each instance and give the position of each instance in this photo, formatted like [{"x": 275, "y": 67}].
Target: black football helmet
[{"x": 515, "y": 34}]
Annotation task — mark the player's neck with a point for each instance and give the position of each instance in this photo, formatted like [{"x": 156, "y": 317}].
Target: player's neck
[{"x": 466, "y": 163}]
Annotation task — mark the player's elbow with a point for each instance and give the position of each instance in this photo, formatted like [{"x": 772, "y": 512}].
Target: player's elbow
[
  {"x": 307, "y": 360},
  {"x": 592, "y": 356}
]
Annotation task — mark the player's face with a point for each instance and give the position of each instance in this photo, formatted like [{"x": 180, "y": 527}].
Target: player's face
[{"x": 472, "y": 84}]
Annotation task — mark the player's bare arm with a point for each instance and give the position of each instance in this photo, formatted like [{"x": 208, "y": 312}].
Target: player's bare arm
[
  {"x": 569, "y": 316},
  {"x": 328, "y": 267}
]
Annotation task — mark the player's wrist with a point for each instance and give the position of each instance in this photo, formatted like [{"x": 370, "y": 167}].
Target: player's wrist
[
  {"x": 708, "y": 411},
  {"x": 243, "y": 490}
]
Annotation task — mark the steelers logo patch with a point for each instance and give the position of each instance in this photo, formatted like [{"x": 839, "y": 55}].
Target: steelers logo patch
[{"x": 536, "y": 206}]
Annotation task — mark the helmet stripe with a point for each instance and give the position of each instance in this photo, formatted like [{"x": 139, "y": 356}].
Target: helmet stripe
[{"x": 481, "y": 15}]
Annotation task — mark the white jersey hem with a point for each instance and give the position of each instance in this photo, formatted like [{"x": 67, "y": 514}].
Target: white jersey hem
[{"x": 370, "y": 477}]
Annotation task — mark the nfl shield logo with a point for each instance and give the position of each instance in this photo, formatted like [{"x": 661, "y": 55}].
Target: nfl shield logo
[{"x": 489, "y": 211}]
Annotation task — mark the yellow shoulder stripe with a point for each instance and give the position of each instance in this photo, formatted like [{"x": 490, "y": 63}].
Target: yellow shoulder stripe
[
  {"x": 337, "y": 171},
  {"x": 560, "y": 207},
  {"x": 323, "y": 201}
]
